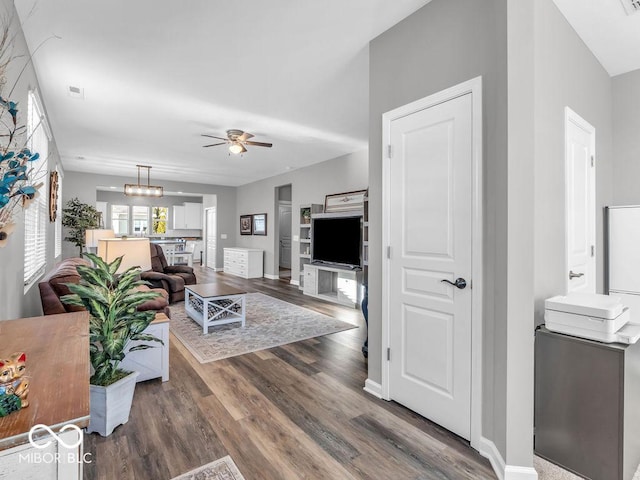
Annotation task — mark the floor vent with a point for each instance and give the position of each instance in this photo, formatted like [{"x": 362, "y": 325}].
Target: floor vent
[{"x": 631, "y": 6}]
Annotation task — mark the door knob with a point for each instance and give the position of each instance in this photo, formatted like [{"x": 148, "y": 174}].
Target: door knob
[
  {"x": 460, "y": 282},
  {"x": 575, "y": 275}
]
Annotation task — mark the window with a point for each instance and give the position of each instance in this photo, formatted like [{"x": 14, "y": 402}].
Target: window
[
  {"x": 140, "y": 220},
  {"x": 58, "y": 225},
  {"x": 160, "y": 216},
  {"x": 36, "y": 215},
  {"x": 120, "y": 219}
]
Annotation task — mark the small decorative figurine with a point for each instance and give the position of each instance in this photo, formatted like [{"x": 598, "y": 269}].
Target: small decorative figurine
[{"x": 14, "y": 386}]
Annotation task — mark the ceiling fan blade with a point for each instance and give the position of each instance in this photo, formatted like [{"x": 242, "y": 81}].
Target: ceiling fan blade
[
  {"x": 213, "y": 136},
  {"x": 245, "y": 136},
  {"x": 259, "y": 144},
  {"x": 243, "y": 149},
  {"x": 214, "y": 144}
]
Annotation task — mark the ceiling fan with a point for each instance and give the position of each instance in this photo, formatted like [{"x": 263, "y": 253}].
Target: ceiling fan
[{"x": 237, "y": 140}]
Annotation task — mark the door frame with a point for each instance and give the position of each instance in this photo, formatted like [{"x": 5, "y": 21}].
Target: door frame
[
  {"x": 570, "y": 116},
  {"x": 206, "y": 238},
  {"x": 289, "y": 204},
  {"x": 473, "y": 87}
]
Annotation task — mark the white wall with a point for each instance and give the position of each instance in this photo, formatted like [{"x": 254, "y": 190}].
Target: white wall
[
  {"x": 14, "y": 302},
  {"x": 83, "y": 186},
  {"x": 626, "y": 139},
  {"x": 308, "y": 185}
]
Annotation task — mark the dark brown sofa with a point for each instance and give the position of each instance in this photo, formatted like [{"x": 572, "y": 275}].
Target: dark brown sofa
[
  {"x": 52, "y": 287},
  {"x": 171, "y": 278}
]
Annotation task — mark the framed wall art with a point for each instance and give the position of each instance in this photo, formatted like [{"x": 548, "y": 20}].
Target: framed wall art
[
  {"x": 260, "y": 224},
  {"x": 246, "y": 224},
  {"x": 343, "y": 202}
]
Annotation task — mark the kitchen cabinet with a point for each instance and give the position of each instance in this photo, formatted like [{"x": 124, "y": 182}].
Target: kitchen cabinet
[{"x": 187, "y": 216}]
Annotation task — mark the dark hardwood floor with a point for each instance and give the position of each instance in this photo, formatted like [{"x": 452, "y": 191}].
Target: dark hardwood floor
[{"x": 291, "y": 412}]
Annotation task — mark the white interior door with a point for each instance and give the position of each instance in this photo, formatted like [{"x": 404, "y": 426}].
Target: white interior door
[
  {"x": 284, "y": 212},
  {"x": 580, "y": 199},
  {"x": 210, "y": 238},
  {"x": 430, "y": 234}
]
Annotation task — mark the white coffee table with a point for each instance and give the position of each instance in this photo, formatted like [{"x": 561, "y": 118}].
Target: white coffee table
[{"x": 212, "y": 304}]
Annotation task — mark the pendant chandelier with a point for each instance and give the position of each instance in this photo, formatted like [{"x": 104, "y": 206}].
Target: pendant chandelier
[{"x": 139, "y": 190}]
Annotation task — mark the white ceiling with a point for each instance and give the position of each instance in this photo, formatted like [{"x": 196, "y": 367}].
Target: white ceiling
[
  {"x": 158, "y": 74},
  {"x": 611, "y": 34}
]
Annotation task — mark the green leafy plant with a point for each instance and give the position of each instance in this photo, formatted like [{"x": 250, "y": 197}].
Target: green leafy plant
[
  {"x": 111, "y": 300},
  {"x": 78, "y": 217}
]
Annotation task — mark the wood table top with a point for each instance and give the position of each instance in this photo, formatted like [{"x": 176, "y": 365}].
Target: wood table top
[
  {"x": 57, "y": 349},
  {"x": 209, "y": 290}
]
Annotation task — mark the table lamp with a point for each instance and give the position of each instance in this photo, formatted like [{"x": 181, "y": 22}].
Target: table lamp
[
  {"x": 93, "y": 235},
  {"x": 136, "y": 252}
]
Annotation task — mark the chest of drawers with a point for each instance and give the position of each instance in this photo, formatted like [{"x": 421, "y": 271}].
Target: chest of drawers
[{"x": 243, "y": 262}]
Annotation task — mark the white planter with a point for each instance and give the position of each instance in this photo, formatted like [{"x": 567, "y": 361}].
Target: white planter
[{"x": 110, "y": 405}]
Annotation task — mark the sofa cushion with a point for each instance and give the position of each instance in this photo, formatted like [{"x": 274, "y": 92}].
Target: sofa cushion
[{"x": 66, "y": 273}]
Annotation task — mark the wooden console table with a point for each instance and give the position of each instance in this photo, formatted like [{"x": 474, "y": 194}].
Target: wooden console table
[{"x": 57, "y": 348}]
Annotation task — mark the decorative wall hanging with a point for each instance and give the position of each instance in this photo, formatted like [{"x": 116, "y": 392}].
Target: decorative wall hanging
[
  {"x": 53, "y": 196},
  {"x": 246, "y": 224},
  {"x": 343, "y": 202},
  {"x": 260, "y": 224}
]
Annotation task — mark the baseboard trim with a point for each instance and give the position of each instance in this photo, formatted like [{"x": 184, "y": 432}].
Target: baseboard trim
[
  {"x": 489, "y": 450},
  {"x": 271, "y": 277},
  {"x": 513, "y": 472},
  {"x": 295, "y": 282},
  {"x": 373, "y": 388}
]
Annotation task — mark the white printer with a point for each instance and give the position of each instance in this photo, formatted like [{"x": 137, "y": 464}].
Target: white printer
[{"x": 589, "y": 315}]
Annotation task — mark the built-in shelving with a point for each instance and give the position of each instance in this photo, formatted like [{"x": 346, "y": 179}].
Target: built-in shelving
[{"x": 304, "y": 239}]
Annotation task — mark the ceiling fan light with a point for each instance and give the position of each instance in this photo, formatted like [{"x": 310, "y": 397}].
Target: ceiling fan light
[{"x": 235, "y": 148}]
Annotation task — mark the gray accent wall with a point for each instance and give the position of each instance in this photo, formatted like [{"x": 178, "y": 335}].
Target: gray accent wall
[
  {"x": 445, "y": 43},
  {"x": 14, "y": 301},
  {"x": 308, "y": 185},
  {"x": 83, "y": 186},
  {"x": 626, "y": 139},
  {"x": 566, "y": 74}
]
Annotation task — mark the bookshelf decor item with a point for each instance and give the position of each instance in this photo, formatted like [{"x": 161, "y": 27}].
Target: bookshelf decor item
[
  {"x": 260, "y": 224},
  {"x": 343, "y": 202},
  {"x": 246, "y": 224}
]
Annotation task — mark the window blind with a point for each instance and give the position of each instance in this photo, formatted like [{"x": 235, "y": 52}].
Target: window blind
[{"x": 35, "y": 216}]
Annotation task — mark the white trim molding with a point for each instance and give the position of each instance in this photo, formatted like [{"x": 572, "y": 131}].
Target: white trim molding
[
  {"x": 295, "y": 282},
  {"x": 374, "y": 388},
  {"x": 489, "y": 450},
  {"x": 271, "y": 277},
  {"x": 473, "y": 87}
]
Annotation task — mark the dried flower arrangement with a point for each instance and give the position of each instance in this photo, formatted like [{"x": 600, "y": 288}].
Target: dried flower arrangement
[{"x": 19, "y": 182}]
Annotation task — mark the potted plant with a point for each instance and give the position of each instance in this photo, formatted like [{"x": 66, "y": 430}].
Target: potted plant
[
  {"x": 111, "y": 300},
  {"x": 78, "y": 217}
]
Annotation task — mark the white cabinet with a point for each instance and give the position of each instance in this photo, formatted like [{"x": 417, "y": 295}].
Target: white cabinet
[
  {"x": 192, "y": 216},
  {"x": 179, "y": 217},
  {"x": 187, "y": 216},
  {"x": 243, "y": 262},
  {"x": 333, "y": 284},
  {"x": 151, "y": 362}
]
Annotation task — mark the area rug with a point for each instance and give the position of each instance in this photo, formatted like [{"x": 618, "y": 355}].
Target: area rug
[
  {"x": 269, "y": 323},
  {"x": 222, "y": 469}
]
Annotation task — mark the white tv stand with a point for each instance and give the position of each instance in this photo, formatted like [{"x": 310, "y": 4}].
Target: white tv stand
[{"x": 334, "y": 284}]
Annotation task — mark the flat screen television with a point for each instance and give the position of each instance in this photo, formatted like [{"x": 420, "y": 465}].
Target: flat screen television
[{"x": 337, "y": 241}]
